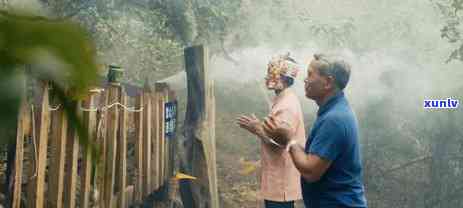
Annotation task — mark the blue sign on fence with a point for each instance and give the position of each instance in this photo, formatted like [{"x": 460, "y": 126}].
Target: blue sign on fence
[{"x": 170, "y": 117}]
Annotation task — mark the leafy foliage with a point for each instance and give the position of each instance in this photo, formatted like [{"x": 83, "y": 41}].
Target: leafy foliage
[
  {"x": 451, "y": 31},
  {"x": 60, "y": 50}
]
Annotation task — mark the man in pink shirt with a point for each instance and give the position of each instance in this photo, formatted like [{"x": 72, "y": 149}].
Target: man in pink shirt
[{"x": 280, "y": 180}]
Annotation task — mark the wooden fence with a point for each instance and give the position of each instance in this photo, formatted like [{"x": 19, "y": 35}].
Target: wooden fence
[{"x": 135, "y": 135}]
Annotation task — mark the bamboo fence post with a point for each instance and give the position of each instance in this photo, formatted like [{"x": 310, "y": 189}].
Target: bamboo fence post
[
  {"x": 162, "y": 129},
  {"x": 58, "y": 152},
  {"x": 19, "y": 155},
  {"x": 138, "y": 193},
  {"x": 90, "y": 124},
  {"x": 37, "y": 190},
  {"x": 100, "y": 170},
  {"x": 167, "y": 142},
  {"x": 156, "y": 154},
  {"x": 147, "y": 186},
  {"x": 113, "y": 96},
  {"x": 72, "y": 158},
  {"x": 122, "y": 154}
]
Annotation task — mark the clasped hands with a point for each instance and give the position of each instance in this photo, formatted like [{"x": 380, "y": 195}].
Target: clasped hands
[{"x": 272, "y": 127}]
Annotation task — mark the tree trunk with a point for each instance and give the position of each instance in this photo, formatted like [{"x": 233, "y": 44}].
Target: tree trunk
[{"x": 199, "y": 157}]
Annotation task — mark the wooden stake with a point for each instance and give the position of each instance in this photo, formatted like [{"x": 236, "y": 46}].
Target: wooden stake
[
  {"x": 19, "y": 155},
  {"x": 72, "y": 157},
  {"x": 122, "y": 154},
  {"x": 166, "y": 162},
  {"x": 90, "y": 124},
  {"x": 111, "y": 145},
  {"x": 147, "y": 141},
  {"x": 58, "y": 152},
  {"x": 38, "y": 189},
  {"x": 156, "y": 154},
  {"x": 138, "y": 194}
]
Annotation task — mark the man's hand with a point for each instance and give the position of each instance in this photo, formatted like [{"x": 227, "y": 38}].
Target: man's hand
[
  {"x": 280, "y": 131},
  {"x": 251, "y": 123}
]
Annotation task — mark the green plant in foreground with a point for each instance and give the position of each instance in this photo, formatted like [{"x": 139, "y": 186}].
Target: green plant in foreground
[{"x": 59, "y": 52}]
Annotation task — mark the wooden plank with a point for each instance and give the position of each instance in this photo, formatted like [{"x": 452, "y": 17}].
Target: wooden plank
[
  {"x": 101, "y": 141},
  {"x": 156, "y": 154},
  {"x": 174, "y": 191},
  {"x": 138, "y": 192},
  {"x": 71, "y": 166},
  {"x": 173, "y": 141},
  {"x": 147, "y": 141},
  {"x": 30, "y": 152},
  {"x": 122, "y": 154},
  {"x": 162, "y": 139},
  {"x": 38, "y": 189},
  {"x": 19, "y": 155},
  {"x": 111, "y": 145},
  {"x": 58, "y": 152},
  {"x": 90, "y": 124}
]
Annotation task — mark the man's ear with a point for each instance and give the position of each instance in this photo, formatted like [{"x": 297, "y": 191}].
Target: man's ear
[
  {"x": 326, "y": 82},
  {"x": 330, "y": 82}
]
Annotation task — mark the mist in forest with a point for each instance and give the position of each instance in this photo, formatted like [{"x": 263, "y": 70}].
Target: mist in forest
[
  {"x": 398, "y": 60},
  {"x": 401, "y": 53}
]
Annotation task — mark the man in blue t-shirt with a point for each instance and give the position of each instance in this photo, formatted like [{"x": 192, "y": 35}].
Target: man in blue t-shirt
[{"x": 330, "y": 163}]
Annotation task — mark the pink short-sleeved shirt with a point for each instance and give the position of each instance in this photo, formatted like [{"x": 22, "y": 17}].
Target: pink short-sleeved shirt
[{"x": 280, "y": 180}]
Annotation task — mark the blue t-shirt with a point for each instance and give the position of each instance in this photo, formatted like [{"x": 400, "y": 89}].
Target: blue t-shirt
[{"x": 334, "y": 137}]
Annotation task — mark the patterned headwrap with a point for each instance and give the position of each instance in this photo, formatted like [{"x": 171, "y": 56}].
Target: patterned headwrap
[{"x": 282, "y": 65}]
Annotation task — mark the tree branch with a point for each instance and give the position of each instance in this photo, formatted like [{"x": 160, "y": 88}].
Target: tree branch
[
  {"x": 406, "y": 164},
  {"x": 419, "y": 159}
]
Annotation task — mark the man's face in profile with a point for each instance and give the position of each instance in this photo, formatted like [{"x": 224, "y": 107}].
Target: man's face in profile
[{"x": 314, "y": 83}]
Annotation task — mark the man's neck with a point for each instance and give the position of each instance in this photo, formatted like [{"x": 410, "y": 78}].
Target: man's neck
[{"x": 322, "y": 101}]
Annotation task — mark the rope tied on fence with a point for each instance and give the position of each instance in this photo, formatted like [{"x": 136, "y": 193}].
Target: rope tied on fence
[
  {"x": 105, "y": 108},
  {"x": 129, "y": 109}
]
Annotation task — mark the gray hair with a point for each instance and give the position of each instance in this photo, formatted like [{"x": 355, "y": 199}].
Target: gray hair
[{"x": 330, "y": 66}]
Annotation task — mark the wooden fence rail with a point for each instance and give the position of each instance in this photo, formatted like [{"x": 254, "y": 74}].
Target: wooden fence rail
[{"x": 59, "y": 172}]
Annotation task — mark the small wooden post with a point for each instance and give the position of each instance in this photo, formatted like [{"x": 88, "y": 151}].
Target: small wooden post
[
  {"x": 101, "y": 141},
  {"x": 99, "y": 175},
  {"x": 174, "y": 191},
  {"x": 173, "y": 141},
  {"x": 147, "y": 140},
  {"x": 114, "y": 92},
  {"x": 160, "y": 139},
  {"x": 167, "y": 142},
  {"x": 138, "y": 195},
  {"x": 72, "y": 158},
  {"x": 38, "y": 189},
  {"x": 156, "y": 135},
  {"x": 122, "y": 154},
  {"x": 19, "y": 155},
  {"x": 58, "y": 147},
  {"x": 90, "y": 124}
]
